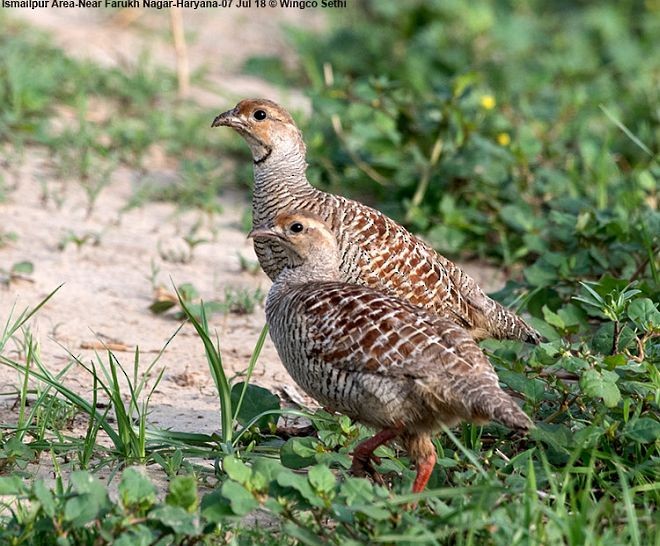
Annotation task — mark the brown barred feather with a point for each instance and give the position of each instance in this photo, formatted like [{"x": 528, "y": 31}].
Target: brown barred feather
[
  {"x": 370, "y": 355},
  {"x": 375, "y": 251}
]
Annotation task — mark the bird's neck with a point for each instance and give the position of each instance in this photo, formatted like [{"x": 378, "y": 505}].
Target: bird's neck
[
  {"x": 322, "y": 266},
  {"x": 280, "y": 182}
]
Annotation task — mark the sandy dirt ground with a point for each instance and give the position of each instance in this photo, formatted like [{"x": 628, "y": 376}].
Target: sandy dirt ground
[{"x": 107, "y": 287}]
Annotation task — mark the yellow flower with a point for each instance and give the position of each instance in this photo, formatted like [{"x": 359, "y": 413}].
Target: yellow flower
[
  {"x": 503, "y": 139},
  {"x": 488, "y": 102}
]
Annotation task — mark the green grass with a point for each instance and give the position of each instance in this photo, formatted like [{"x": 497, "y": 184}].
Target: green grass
[{"x": 524, "y": 134}]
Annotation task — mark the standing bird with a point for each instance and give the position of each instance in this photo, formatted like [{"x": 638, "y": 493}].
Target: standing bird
[
  {"x": 378, "y": 359},
  {"x": 374, "y": 250}
]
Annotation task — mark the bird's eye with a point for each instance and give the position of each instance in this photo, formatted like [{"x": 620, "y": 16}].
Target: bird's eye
[
  {"x": 259, "y": 115},
  {"x": 297, "y": 227}
]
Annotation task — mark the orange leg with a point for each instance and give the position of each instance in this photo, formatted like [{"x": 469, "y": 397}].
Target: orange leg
[
  {"x": 424, "y": 468},
  {"x": 364, "y": 453}
]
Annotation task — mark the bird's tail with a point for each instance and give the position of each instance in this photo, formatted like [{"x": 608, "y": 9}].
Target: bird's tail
[
  {"x": 507, "y": 325},
  {"x": 486, "y": 401}
]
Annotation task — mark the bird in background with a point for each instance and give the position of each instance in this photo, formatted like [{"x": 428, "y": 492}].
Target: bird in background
[
  {"x": 373, "y": 249},
  {"x": 370, "y": 355}
]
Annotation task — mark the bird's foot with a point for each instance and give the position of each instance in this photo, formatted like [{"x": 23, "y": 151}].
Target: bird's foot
[
  {"x": 363, "y": 456},
  {"x": 362, "y": 466}
]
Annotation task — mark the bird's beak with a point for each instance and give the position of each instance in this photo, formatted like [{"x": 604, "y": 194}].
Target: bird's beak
[
  {"x": 263, "y": 232},
  {"x": 228, "y": 119}
]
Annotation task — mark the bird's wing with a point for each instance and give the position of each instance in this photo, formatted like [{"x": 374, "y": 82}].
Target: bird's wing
[{"x": 359, "y": 329}]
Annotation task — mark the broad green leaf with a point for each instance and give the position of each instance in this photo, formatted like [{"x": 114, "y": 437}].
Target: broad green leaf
[
  {"x": 535, "y": 391},
  {"x": 357, "y": 490},
  {"x": 533, "y": 388},
  {"x": 215, "y": 507},
  {"x": 12, "y": 485},
  {"x": 136, "y": 490},
  {"x": 269, "y": 468},
  {"x": 176, "y": 518},
  {"x": 603, "y": 340},
  {"x": 541, "y": 274},
  {"x": 302, "y": 485},
  {"x": 557, "y": 436},
  {"x": 256, "y": 401},
  {"x": 137, "y": 535},
  {"x": 45, "y": 497},
  {"x": 601, "y": 384},
  {"x": 90, "y": 500},
  {"x": 301, "y": 534},
  {"x": 183, "y": 493},
  {"x": 644, "y": 313},
  {"x": 241, "y": 500},
  {"x": 572, "y": 315},
  {"x": 188, "y": 292},
  {"x": 159, "y": 307},
  {"x": 236, "y": 469},
  {"x": 573, "y": 363},
  {"x": 374, "y": 512},
  {"x": 321, "y": 478},
  {"x": 553, "y": 318},
  {"x": 588, "y": 437},
  {"x": 643, "y": 430},
  {"x": 23, "y": 267},
  {"x": 299, "y": 452}
]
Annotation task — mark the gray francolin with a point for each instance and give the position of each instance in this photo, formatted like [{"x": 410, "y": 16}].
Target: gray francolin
[
  {"x": 372, "y": 356},
  {"x": 375, "y": 251}
]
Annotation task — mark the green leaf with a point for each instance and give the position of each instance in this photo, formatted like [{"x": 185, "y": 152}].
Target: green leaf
[
  {"x": 541, "y": 274},
  {"x": 321, "y": 478},
  {"x": 374, "y": 512},
  {"x": 215, "y": 507},
  {"x": 557, "y": 436},
  {"x": 601, "y": 384},
  {"x": 188, "y": 292},
  {"x": 573, "y": 363},
  {"x": 183, "y": 493},
  {"x": 357, "y": 491},
  {"x": 300, "y": 484},
  {"x": 572, "y": 315},
  {"x": 137, "y": 535},
  {"x": 136, "y": 490},
  {"x": 299, "y": 452},
  {"x": 160, "y": 307},
  {"x": 256, "y": 401},
  {"x": 534, "y": 389},
  {"x": 301, "y": 534},
  {"x": 90, "y": 500},
  {"x": 644, "y": 313},
  {"x": 23, "y": 267},
  {"x": 603, "y": 340},
  {"x": 268, "y": 468},
  {"x": 45, "y": 497},
  {"x": 12, "y": 485},
  {"x": 589, "y": 436},
  {"x": 553, "y": 318},
  {"x": 176, "y": 518},
  {"x": 236, "y": 469},
  {"x": 242, "y": 502},
  {"x": 643, "y": 430}
]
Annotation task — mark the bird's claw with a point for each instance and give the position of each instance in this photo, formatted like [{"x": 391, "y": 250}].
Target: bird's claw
[{"x": 363, "y": 466}]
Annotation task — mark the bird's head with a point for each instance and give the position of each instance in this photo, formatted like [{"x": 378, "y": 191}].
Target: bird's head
[
  {"x": 305, "y": 239},
  {"x": 268, "y": 129}
]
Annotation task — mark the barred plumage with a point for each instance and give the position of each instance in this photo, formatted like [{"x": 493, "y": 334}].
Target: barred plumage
[
  {"x": 375, "y": 250},
  {"x": 372, "y": 356}
]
